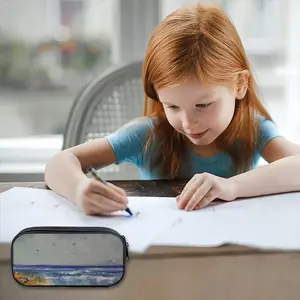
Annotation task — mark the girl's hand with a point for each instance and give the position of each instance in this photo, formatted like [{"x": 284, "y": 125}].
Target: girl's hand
[
  {"x": 203, "y": 189},
  {"x": 94, "y": 197}
]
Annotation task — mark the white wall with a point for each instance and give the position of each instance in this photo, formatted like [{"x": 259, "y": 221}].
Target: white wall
[
  {"x": 31, "y": 19},
  {"x": 40, "y": 19},
  {"x": 243, "y": 12}
]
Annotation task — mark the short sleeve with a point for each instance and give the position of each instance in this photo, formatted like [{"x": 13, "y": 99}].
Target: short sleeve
[
  {"x": 128, "y": 142},
  {"x": 268, "y": 131}
]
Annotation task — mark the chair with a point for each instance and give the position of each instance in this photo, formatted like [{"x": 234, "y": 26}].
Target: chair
[{"x": 103, "y": 106}]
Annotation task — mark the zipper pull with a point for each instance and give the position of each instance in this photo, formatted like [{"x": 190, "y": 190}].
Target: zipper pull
[{"x": 126, "y": 248}]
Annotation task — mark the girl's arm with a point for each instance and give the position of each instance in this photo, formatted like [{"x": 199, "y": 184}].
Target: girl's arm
[
  {"x": 282, "y": 174},
  {"x": 67, "y": 168}
]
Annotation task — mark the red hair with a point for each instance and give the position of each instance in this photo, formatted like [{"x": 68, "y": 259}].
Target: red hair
[{"x": 200, "y": 41}]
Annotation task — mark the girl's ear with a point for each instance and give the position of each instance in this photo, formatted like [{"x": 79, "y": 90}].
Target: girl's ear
[{"x": 242, "y": 85}]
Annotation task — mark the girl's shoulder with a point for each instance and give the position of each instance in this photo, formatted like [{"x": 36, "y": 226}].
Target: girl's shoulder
[
  {"x": 129, "y": 140},
  {"x": 140, "y": 124},
  {"x": 137, "y": 129},
  {"x": 268, "y": 130},
  {"x": 266, "y": 125}
]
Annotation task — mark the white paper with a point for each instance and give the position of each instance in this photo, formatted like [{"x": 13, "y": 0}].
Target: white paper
[
  {"x": 26, "y": 207},
  {"x": 270, "y": 222}
]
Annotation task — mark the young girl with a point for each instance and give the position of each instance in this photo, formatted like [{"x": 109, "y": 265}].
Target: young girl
[{"x": 204, "y": 122}]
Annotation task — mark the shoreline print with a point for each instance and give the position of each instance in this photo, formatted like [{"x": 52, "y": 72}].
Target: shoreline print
[{"x": 102, "y": 275}]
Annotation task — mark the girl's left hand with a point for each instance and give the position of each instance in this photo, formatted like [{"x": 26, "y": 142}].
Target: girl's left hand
[{"x": 204, "y": 188}]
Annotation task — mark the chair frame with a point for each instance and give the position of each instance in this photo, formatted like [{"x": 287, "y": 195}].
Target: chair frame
[{"x": 78, "y": 116}]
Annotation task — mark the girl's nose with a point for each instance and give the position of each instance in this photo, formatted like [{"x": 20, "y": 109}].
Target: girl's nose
[{"x": 188, "y": 122}]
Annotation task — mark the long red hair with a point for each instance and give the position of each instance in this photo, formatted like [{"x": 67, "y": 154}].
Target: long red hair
[{"x": 200, "y": 41}]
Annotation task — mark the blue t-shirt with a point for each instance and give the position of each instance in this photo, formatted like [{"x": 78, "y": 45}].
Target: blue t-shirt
[{"x": 128, "y": 144}]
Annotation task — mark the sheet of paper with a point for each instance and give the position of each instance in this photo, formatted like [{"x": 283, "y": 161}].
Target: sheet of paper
[
  {"x": 265, "y": 222},
  {"x": 270, "y": 222},
  {"x": 25, "y": 207}
]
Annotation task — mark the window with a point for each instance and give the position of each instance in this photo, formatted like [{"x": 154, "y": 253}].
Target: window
[{"x": 49, "y": 50}]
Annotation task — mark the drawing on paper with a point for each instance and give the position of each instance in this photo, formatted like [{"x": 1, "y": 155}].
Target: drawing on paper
[{"x": 120, "y": 215}]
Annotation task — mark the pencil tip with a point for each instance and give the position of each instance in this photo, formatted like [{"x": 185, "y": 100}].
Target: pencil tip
[{"x": 129, "y": 211}]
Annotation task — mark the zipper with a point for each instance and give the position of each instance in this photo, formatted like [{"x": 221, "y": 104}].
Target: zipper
[{"x": 126, "y": 247}]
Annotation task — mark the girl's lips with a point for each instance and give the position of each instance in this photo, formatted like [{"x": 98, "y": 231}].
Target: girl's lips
[{"x": 197, "y": 135}]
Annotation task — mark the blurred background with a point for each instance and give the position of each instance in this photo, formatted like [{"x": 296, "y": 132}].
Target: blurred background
[{"x": 51, "y": 49}]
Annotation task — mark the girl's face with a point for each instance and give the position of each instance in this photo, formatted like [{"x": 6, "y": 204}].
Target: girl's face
[{"x": 200, "y": 113}]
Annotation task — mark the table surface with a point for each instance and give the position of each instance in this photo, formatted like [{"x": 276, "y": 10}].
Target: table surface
[
  {"x": 156, "y": 188},
  {"x": 179, "y": 272}
]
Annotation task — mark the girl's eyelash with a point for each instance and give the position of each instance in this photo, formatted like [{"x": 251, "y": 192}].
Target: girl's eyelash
[{"x": 204, "y": 105}]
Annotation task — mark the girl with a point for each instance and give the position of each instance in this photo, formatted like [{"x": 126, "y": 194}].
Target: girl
[{"x": 204, "y": 122}]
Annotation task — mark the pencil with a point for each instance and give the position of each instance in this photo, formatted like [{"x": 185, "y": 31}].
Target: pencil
[{"x": 96, "y": 176}]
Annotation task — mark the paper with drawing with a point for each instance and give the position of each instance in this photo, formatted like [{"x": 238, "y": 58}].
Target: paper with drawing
[
  {"x": 264, "y": 222},
  {"x": 270, "y": 222},
  {"x": 25, "y": 207}
]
